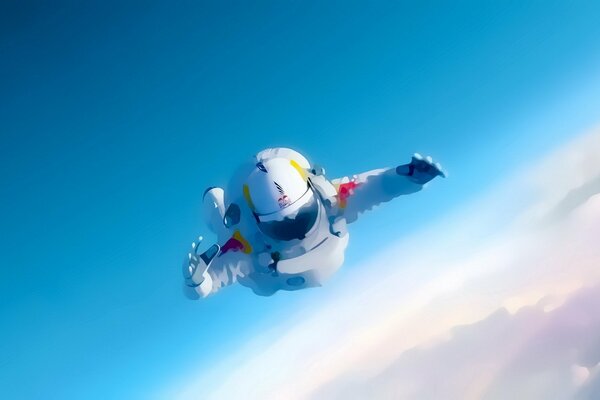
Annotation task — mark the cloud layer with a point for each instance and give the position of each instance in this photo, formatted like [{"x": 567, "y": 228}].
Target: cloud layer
[
  {"x": 532, "y": 354},
  {"x": 488, "y": 266}
]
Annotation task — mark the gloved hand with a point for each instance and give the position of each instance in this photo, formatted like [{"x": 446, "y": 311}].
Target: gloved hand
[
  {"x": 194, "y": 268},
  {"x": 421, "y": 170}
]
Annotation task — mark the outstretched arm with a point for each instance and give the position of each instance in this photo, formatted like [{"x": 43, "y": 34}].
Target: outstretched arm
[{"x": 364, "y": 191}]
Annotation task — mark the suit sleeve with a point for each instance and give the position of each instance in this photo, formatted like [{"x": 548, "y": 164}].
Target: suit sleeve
[
  {"x": 362, "y": 192},
  {"x": 227, "y": 268},
  {"x": 223, "y": 270}
]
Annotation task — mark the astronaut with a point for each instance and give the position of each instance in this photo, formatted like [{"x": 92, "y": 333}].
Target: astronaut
[{"x": 282, "y": 225}]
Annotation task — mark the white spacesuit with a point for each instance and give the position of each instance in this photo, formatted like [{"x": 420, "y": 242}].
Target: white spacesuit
[{"x": 281, "y": 225}]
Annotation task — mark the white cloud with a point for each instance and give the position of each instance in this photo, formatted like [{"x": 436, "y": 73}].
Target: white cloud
[
  {"x": 580, "y": 374},
  {"x": 533, "y": 237},
  {"x": 531, "y": 354}
]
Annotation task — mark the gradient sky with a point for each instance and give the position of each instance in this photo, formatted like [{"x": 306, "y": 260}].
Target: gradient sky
[{"x": 115, "y": 116}]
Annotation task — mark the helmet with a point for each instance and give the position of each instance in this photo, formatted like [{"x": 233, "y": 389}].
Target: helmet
[{"x": 281, "y": 198}]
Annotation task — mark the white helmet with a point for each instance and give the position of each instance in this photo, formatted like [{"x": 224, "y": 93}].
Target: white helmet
[{"x": 280, "y": 196}]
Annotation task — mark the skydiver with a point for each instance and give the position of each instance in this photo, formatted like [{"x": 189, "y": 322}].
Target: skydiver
[{"x": 282, "y": 225}]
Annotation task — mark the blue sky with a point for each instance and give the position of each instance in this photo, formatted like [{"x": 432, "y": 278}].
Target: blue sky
[{"x": 114, "y": 118}]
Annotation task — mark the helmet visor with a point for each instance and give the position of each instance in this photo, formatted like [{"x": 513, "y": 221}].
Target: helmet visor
[{"x": 295, "y": 226}]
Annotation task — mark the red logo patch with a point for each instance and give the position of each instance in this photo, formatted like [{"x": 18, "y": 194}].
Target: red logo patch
[
  {"x": 284, "y": 201},
  {"x": 344, "y": 191}
]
